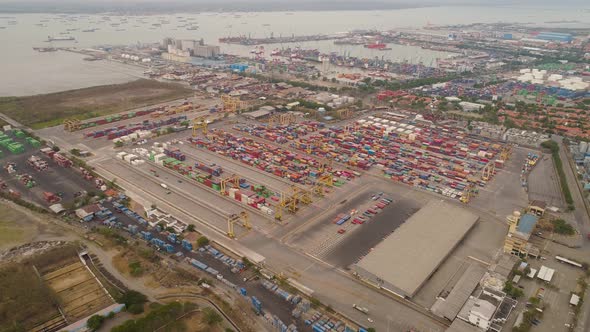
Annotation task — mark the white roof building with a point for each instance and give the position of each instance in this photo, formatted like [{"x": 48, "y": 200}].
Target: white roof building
[
  {"x": 481, "y": 314},
  {"x": 545, "y": 273}
]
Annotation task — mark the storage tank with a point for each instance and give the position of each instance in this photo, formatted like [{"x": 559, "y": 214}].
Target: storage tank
[{"x": 583, "y": 147}]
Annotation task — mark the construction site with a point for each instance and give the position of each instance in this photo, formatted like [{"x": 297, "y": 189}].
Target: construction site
[{"x": 287, "y": 191}]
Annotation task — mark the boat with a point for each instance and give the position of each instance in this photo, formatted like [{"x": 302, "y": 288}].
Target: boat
[
  {"x": 89, "y": 30},
  {"x": 50, "y": 39},
  {"x": 193, "y": 28},
  {"x": 45, "y": 49},
  {"x": 376, "y": 45}
]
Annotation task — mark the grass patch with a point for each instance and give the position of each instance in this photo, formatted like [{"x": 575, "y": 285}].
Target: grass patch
[
  {"x": 164, "y": 316},
  {"x": 560, "y": 226},
  {"x": 554, "y": 147},
  {"x": 47, "y": 110}
]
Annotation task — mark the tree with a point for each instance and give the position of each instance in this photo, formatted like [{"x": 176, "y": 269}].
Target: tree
[
  {"x": 191, "y": 228},
  {"x": 95, "y": 322},
  {"x": 202, "y": 241},
  {"x": 135, "y": 269},
  {"x": 133, "y": 301},
  {"x": 75, "y": 152},
  {"x": 119, "y": 144},
  {"x": 371, "y": 329},
  {"x": 211, "y": 317}
]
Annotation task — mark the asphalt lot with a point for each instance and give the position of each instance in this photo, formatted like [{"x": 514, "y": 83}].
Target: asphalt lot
[
  {"x": 323, "y": 241},
  {"x": 54, "y": 179},
  {"x": 544, "y": 183},
  {"x": 504, "y": 193}
]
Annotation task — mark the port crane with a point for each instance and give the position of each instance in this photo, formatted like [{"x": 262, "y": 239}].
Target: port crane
[
  {"x": 200, "y": 122},
  {"x": 231, "y": 104},
  {"x": 283, "y": 119},
  {"x": 291, "y": 200},
  {"x": 72, "y": 125},
  {"x": 242, "y": 219},
  {"x": 233, "y": 179},
  {"x": 488, "y": 171}
]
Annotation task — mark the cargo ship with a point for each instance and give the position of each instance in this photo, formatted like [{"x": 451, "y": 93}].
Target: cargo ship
[
  {"x": 50, "y": 39},
  {"x": 376, "y": 45}
]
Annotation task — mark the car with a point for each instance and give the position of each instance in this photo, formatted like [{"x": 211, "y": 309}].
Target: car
[
  {"x": 179, "y": 181},
  {"x": 60, "y": 194},
  {"x": 369, "y": 319},
  {"x": 519, "y": 286},
  {"x": 168, "y": 192},
  {"x": 341, "y": 231}
]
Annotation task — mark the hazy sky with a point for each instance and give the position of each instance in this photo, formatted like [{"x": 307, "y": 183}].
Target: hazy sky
[{"x": 255, "y": 5}]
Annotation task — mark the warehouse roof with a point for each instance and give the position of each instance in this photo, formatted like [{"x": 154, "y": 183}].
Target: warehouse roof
[
  {"x": 460, "y": 325},
  {"x": 408, "y": 257},
  {"x": 450, "y": 306}
]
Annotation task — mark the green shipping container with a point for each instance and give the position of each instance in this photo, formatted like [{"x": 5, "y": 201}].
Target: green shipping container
[{"x": 215, "y": 186}]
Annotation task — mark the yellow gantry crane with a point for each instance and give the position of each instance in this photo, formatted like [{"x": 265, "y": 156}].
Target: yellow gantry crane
[
  {"x": 72, "y": 125},
  {"x": 283, "y": 119},
  {"x": 234, "y": 179},
  {"x": 344, "y": 114},
  {"x": 231, "y": 104},
  {"x": 506, "y": 152},
  {"x": 323, "y": 182},
  {"x": 488, "y": 171},
  {"x": 290, "y": 201},
  {"x": 468, "y": 193},
  {"x": 243, "y": 219},
  {"x": 200, "y": 122}
]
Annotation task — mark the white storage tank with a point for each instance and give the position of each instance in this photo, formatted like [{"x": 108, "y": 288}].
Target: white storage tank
[{"x": 583, "y": 147}]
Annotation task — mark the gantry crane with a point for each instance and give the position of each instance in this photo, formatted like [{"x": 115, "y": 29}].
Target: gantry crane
[
  {"x": 243, "y": 219},
  {"x": 468, "y": 193},
  {"x": 344, "y": 114},
  {"x": 283, "y": 119},
  {"x": 506, "y": 152},
  {"x": 322, "y": 183},
  {"x": 200, "y": 122},
  {"x": 230, "y": 179},
  {"x": 72, "y": 125},
  {"x": 488, "y": 171},
  {"x": 291, "y": 200},
  {"x": 231, "y": 104}
]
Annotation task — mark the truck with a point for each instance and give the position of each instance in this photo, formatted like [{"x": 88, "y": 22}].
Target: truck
[{"x": 361, "y": 309}]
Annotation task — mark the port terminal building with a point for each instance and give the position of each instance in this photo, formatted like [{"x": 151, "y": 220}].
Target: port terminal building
[{"x": 406, "y": 259}]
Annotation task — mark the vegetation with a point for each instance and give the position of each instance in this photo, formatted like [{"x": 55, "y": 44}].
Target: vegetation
[
  {"x": 133, "y": 301},
  {"x": 160, "y": 316},
  {"x": 25, "y": 301},
  {"x": 22, "y": 202},
  {"x": 560, "y": 226},
  {"x": 95, "y": 322},
  {"x": 40, "y": 111},
  {"x": 512, "y": 291},
  {"x": 211, "y": 317},
  {"x": 135, "y": 269},
  {"x": 191, "y": 228},
  {"x": 554, "y": 148},
  {"x": 202, "y": 241}
]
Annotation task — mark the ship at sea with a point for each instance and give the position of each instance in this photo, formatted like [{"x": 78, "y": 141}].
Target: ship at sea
[
  {"x": 59, "y": 38},
  {"x": 376, "y": 45}
]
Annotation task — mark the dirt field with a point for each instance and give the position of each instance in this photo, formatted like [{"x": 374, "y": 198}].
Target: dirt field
[
  {"x": 48, "y": 110},
  {"x": 78, "y": 291},
  {"x": 15, "y": 228}
]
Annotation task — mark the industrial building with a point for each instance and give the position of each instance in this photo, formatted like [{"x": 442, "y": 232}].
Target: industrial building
[
  {"x": 519, "y": 232},
  {"x": 555, "y": 36},
  {"x": 449, "y": 305},
  {"x": 190, "y": 47},
  {"x": 470, "y": 107},
  {"x": 406, "y": 259}
]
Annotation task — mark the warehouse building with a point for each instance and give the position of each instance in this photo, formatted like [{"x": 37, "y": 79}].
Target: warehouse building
[
  {"x": 406, "y": 259},
  {"x": 555, "y": 36}
]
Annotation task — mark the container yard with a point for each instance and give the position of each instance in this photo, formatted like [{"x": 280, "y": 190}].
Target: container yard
[{"x": 434, "y": 158}]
